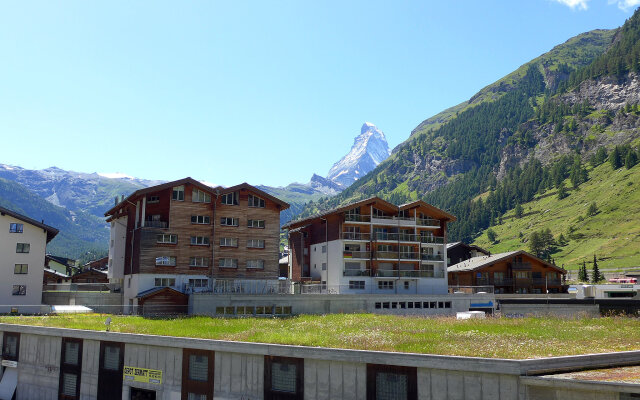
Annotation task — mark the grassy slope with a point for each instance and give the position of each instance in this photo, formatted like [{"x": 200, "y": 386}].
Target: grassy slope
[
  {"x": 493, "y": 337},
  {"x": 613, "y": 234}
]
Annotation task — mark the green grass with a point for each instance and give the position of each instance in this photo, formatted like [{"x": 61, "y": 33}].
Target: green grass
[
  {"x": 613, "y": 234},
  {"x": 492, "y": 337}
]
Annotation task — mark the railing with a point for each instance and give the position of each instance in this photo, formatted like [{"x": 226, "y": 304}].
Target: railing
[
  {"x": 356, "y": 236},
  {"x": 385, "y": 236},
  {"x": 431, "y": 257},
  {"x": 357, "y": 272},
  {"x": 387, "y": 273},
  {"x": 431, "y": 274},
  {"x": 408, "y": 237},
  {"x": 548, "y": 282},
  {"x": 470, "y": 289},
  {"x": 155, "y": 224},
  {"x": 82, "y": 287},
  {"x": 428, "y": 222},
  {"x": 520, "y": 266},
  {"x": 390, "y": 255},
  {"x": 357, "y": 218},
  {"x": 356, "y": 254},
  {"x": 409, "y": 256},
  {"x": 502, "y": 282},
  {"x": 432, "y": 239}
]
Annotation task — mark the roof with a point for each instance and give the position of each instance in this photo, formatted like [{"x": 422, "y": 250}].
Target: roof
[
  {"x": 218, "y": 189},
  {"x": 68, "y": 262},
  {"x": 284, "y": 260},
  {"x": 56, "y": 273},
  {"x": 103, "y": 259},
  {"x": 86, "y": 271},
  {"x": 484, "y": 261},
  {"x": 51, "y": 231},
  {"x": 366, "y": 201},
  {"x": 470, "y": 246},
  {"x": 156, "y": 290}
]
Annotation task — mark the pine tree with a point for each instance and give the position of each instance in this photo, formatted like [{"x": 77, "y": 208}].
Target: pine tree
[
  {"x": 582, "y": 273},
  {"x": 491, "y": 235},
  {"x": 519, "y": 211},
  {"x": 630, "y": 160},
  {"x": 592, "y": 210},
  {"x": 562, "y": 191},
  {"x": 615, "y": 158},
  {"x": 596, "y": 276}
]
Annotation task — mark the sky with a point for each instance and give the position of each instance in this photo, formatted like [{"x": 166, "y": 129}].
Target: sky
[{"x": 264, "y": 92}]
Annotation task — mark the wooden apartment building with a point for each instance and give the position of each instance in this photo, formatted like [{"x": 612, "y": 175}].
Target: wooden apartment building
[
  {"x": 372, "y": 246},
  {"x": 186, "y": 235}
]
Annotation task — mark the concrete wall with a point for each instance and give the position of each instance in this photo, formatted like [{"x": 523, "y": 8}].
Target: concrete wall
[
  {"x": 117, "y": 246},
  {"x": 560, "y": 310},
  {"x": 102, "y": 302},
  {"x": 328, "y": 373}
]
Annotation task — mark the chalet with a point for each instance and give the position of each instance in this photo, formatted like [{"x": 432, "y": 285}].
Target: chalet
[
  {"x": 23, "y": 243},
  {"x": 189, "y": 236},
  {"x": 61, "y": 264},
  {"x": 99, "y": 264},
  {"x": 459, "y": 251},
  {"x": 372, "y": 246},
  {"x": 91, "y": 275},
  {"x": 512, "y": 272},
  {"x": 51, "y": 276}
]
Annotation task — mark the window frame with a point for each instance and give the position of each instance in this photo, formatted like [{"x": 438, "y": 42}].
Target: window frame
[
  {"x": 260, "y": 261},
  {"x": 250, "y": 243},
  {"x": 269, "y": 393},
  {"x": 168, "y": 281},
  {"x": 228, "y": 242},
  {"x": 204, "y": 260},
  {"x": 5, "y": 354},
  {"x": 15, "y": 227},
  {"x": 170, "y": 235},
  {"x": 234, "y": 262},
  {"x": 204, "y": 219},
  {"x": 235, "y": 197},
  {"x": 357, "y": 285},
  {"x": 178, "y": 190},
  {"x": 200, "y": 196},
  {"x": 195, "y": 386},
  {"x": 252, "y": 199},
  {"x": 251, "y": 223},
  {"x": 24, "y": 267},
  {"x": 20, "y": 248},
  {"x": 22, "y": 290},
  {"x": 234, "y": 221},
  {"x": 204, "y": 239},
  {"x": 70, "y": 368},
  {"x": 410, "y": 372},
  {"x": 168, "y": 263}
]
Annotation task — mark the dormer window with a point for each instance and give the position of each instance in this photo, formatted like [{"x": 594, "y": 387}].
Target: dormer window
[{"x": 178, "y": 193}]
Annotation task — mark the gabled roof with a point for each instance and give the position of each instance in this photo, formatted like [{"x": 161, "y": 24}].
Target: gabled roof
[
  {"x": 435, "y": 211},
  {"x": 67, "y": 262},
  {"x": 470, "y": 246},
  {"x": 51, "y": 231},
  {"x": 368, "y": 201},
  {"x": 89, "y": 271},
  {"x": 194, "y": 182},
  {"x": 100, "y": 260},
  {"x": 157, "y": 290},
  {"x": 475, "y": 263},
  {"x": 56, "y": 273}
]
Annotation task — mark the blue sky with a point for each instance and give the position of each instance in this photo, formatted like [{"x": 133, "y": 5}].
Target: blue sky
[{"x": 263, "y": 92}]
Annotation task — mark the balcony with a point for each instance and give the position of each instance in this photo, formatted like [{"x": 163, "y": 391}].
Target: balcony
[
  {"x": 521, "y": 266},
  {"x": 432, "y": 239},
  {"x": 357, "y": 272},
  {"x": 431, "y": 257},
  {"x": 386, "y": 273},
  {"x": 408, "y": 237},
  {"x": 431, "y": 274},
  {"x": 386, "y": 255},
  {"x": 357, "y": 218},
  {"x": 497, "y": 282},
  {"x": 156, "y": 224},
  {"x": 409, "y": 256},
  {"x": 356, "y": 254},
  {"x": 546, "y": 282},
  {"x": 356, "y": 236},
  {"x": 430, "y": 222}
]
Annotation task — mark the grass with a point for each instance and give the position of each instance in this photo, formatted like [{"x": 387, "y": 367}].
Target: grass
[
  {"x": 492, "y": 338},
  {"x": 612, "y": 234}
]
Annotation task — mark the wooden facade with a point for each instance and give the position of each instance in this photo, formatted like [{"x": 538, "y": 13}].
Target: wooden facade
[{"x": 513, "y": 272}]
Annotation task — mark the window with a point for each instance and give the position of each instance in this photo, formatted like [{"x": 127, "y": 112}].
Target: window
[
  {"x": 110, "y": 370},
  {"x": 200, "y": 240},
  {"x": 378, "y": 213},
  {"x": 166, "y": 260},
  {"x": 228, "y": 263},
  {"x": 406, "y": 285},
  {"x": 227, "y": 221},
  {"x": 22, "y": 247},
  {"x": 283, "y": 378},
  {"x": 255, "y": 223},
  {"x": 21, "y": 269},
  {"x": 178, "y": 193},
  {"x": 19, "y": 290},
  {"x": 198, "y": 262},
  {"x": 385, "y": 247},
  {"x": 391, "y": 382},
  {"x": 198, "y": 196},
  {"x": 10, "y": 346},
  {"x": 255, "y": 243},
  {"x": 228, "y": 242},
  {"x": 153, "y": 199},
  {"x": 324, "y": 248},
  {"x": 161, "y": 282},
  {"x": 255, "y": 201},
  {"x": 230, "y": 199},
  {"x": 324, "y": 266},
  {"x": 427, "y": 271},
  {"x": 523, "y": 274},
  {"x": 199, "y": 283},
  {"x": 70, "y": 369},
  {"x": 255, "y": 264},
  {"x": 385, "y": 285},
  {"x": 15, "y": 228},
  {"x": 358, "y": 285},
  {"x": 197, "y": 374},
  {"x": 167, "y": 238},
  {"x": 200, "y": 219}
]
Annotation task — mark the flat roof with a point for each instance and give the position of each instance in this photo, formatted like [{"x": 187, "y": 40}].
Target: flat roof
[{"x": 613, "y": 375}]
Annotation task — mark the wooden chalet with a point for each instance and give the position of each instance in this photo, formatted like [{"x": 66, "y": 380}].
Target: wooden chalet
[{"x": 512, "y": 272}]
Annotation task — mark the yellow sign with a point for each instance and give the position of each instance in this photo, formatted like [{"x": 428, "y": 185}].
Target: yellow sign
[{"x": 134, "y": 374}]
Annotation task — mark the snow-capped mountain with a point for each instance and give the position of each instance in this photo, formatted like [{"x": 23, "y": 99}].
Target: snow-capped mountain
[{"x": 369, "y": 149}]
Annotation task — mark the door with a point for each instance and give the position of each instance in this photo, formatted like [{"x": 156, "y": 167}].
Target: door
[
  {"x": 110, "y": 371},
  {"x": 142, "y": 394}
]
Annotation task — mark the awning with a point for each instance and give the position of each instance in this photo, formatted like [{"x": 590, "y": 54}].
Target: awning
[{"x": 8, "y": 383}]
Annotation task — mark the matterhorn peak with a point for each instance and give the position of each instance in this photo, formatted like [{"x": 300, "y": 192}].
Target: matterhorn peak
[{"x": 369, "y": 149}]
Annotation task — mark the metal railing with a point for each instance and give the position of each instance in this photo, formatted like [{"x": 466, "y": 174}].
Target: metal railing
[
  {"x": 431, "y": 257},
  {"x": 356, "y": 236},
  {"x": 82, "y": 287},
  {"x": 389, "y": 255},
  {"x": 470, "y": 289},
  {"x": 357, "y": 272},
  {"x": 409, "y": 255},
  {"x": 428, "y": 222},
  {"x": 356, "y": 254},
  {"x": 432, "y": 239},
  {"x": 386, "y": 273},
  {"x": 357, "y": 218},
  {"x": 155, "y": 224}
]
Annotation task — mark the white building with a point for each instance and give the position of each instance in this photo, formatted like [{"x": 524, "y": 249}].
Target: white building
[
  {"x": 23, "y": 243},
  {"x": 372, "y": 246}
]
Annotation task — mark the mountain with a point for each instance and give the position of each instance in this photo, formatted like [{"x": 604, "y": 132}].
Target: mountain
[
  {"x": 369, "y": 149},
  {"x": 521, "y": 137}
]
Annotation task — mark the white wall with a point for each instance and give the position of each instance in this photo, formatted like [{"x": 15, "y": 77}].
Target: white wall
[
  {"x": 117, "y": 247},
  {"x": 37, "y": 239}
]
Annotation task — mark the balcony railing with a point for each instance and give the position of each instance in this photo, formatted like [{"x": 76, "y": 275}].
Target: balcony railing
[
  {"x": 548, "y": 282},
  {"x": 356, "y": 236},
  {"x": 428, "y": 222},
  {"x": 155, "y": 224},
  {"x": 387, "y": 273},
  {"x": 408, "y": 237},
  {"x": 521, "y": 266},
  {"x": 357, "y": 218},
  {"x": 431, "y": 257},
  {"x": 356, "y": 254},
  {"x": 409, "y": 256},
  {"x": 391, "y": 255},
  {"x": 432, "y": 239},
  {"x": 357, "y": 272}
]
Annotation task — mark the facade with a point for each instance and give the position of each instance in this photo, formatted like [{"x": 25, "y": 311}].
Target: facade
[
  {"x": 372, "y": 246},
  {"x": 23, "y": 243},
  {"x": 61, "y": 264},
  {"x": 188, "y": 236},
  {"x": 459, "y": 251},
  {"x": 512, "y": 272}
]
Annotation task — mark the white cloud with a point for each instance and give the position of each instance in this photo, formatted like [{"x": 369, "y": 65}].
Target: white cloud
[
  {"x": 625, "y": 5},
  {"x": 580, "y": 4}
]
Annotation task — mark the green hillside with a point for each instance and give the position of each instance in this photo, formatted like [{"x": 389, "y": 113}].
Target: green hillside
[{"x": 613, "y": 234}]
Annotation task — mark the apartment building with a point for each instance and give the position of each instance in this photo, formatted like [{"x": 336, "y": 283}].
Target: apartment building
[
  {"x": 372, "y": 246},
  {"x": 23, "y": 243},
  {"x": 188, "y": 236}
]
